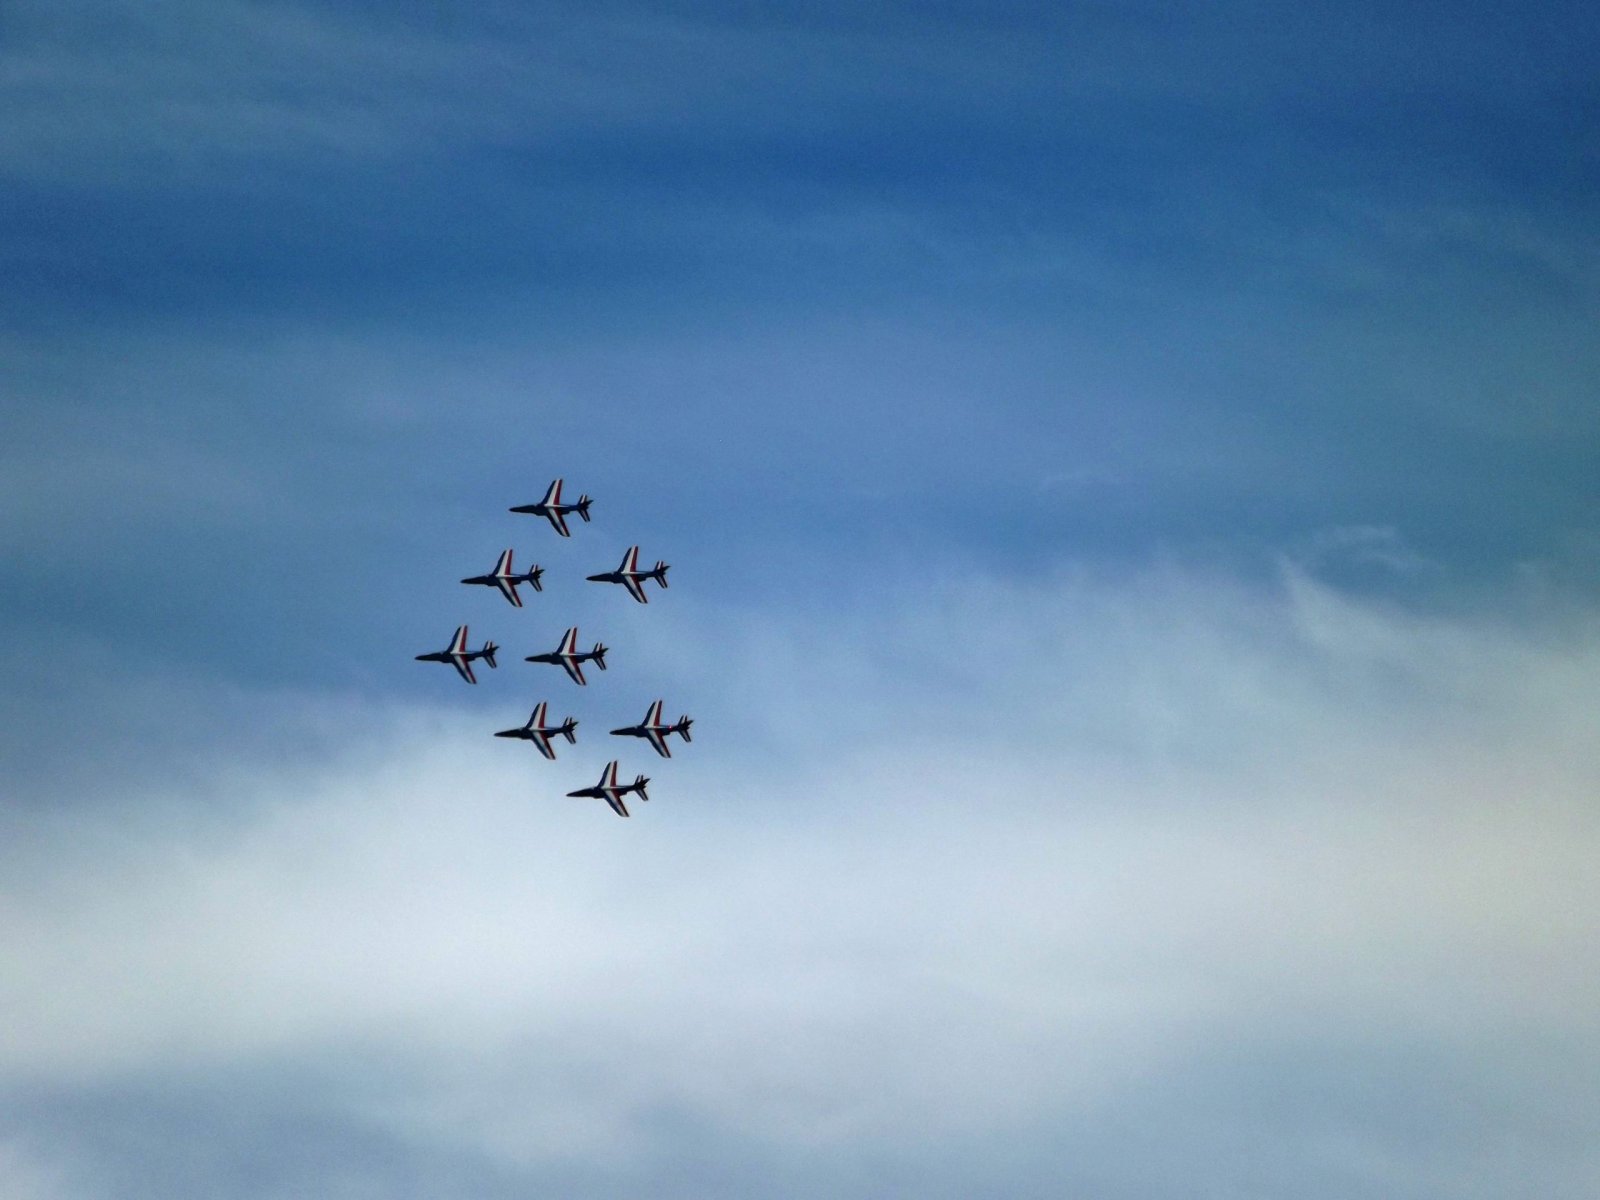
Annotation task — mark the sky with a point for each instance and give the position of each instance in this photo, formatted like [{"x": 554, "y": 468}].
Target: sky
[{"x": 1130, "y": 483}]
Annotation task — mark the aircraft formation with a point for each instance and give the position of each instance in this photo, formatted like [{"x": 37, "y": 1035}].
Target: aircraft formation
[{"x": 653, "y": 729}]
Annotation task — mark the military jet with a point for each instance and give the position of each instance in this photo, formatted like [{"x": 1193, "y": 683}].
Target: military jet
[
  {"x": 552, "y": 510},
  {"x": 653, "y": 730},
  {"x": 630, "y": 577},
  {"x": 504, "y": 578},
  {"x": 537, "y": 732},
  {"x": 609, "y": 791},
  {"x": 570, "y": 659},
  {"x": 459, "y": 657}
]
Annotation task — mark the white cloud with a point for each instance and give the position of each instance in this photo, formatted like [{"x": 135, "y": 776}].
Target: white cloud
[{"x": 1035, "y": 874}]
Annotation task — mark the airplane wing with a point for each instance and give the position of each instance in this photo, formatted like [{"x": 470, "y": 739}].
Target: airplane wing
[
  {"x": 464, "y": 667},
  {"x": 574, "y": 671},
  {"x": 658, "y": 742},
  {"x": 503, "y": 566},
  {"x": 653, "y": 717},
  {"x": 508, "y": 589},
  {"x": 538, "y": 738},
  {"x": 617, "y": 806},
  {"x": 458, "y": 644},
  {"x": 635, "y": 589},
  {"x": 559, "y": 521},
  {"x": 553, "y": 496},
  {"x": 630, "y": 561}
]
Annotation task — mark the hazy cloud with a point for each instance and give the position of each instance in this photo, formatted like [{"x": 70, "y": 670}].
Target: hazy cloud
[{"x": 1203, "y": 816}]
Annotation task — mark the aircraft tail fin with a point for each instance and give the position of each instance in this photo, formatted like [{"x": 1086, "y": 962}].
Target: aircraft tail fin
[
  {"x": 660, "y": 572},
  {"x": 582, "y": 507},
  {"x": 567, "y": 727},
  {"x": 639, "y": 785},
  {"x": 599, "y": 653},
  {"x": 488, "y": 652},
  {"x": 533, "y": 577},
  {"x": 683, "y": 728}
]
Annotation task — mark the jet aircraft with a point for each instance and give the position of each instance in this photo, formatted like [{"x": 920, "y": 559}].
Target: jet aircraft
[
  {"x": 552, "y": 510},
  {"x": 611, "y": 792},
  {"x": 570, "y": 659},
  {"x": 459, "y": 657},
  {"x": 630, "y": 577},
  {"x": 504, "y": 578},
  {"x": 655, "y": 732},
  {"x": 537, "y": 732}
]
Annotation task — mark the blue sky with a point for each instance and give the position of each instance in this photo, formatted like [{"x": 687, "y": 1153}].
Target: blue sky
[{"x": 1130, "y": 485}]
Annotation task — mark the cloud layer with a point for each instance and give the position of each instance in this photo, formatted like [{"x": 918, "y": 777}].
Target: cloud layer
[{"x": 1160, "y": 848}]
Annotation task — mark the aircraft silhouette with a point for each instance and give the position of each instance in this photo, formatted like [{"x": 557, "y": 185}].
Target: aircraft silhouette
[
  {"x": 537, "y": 732},
  {"x": 504, "y": 578},
  {"x": 630, "y": 577},
  {"x": 554, "y": 511},
  {"x": 570, "y": 659},
  {"x": 611, "y": 792},
  {"x": 459, "y": 657},
  {"x": 655, "y": 732}
]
